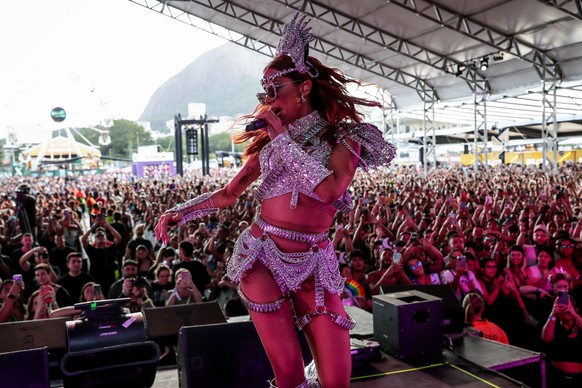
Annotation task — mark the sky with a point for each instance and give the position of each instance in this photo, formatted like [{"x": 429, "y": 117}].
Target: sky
[{"x": 97, "y": 59}]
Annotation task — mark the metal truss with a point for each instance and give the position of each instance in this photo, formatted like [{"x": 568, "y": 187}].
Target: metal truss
[
  {"x": 549, "y": 124},
  {"x": 389, "y": 127},
  {"x": 274, "y": 27},
  {"x": 480, "y": 131},
  {"x": 451, "y": 19},
  {"x": 546, "y": 67},
  {"x": 383, "y": 38},
  {"x": 429, "y": 134},
  {"x": 561, "y": 5}
]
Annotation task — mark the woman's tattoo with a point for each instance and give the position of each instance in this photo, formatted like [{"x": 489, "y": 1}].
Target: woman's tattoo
[{"x": 248, "y": 172}]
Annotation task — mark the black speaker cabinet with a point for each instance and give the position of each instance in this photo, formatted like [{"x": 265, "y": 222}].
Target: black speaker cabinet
[
  {"x": 228, "y": 355},
  {"x": 24, "y": 368},
  {"x": 88, "y": 333},
  {"x": 108, "y": 346},
  {"x": 128, "y": 365},
  {"x": 38, "y": 333},
  {"x": 166, "y": 322},
  {"x": 453, "y": 313},
  {"x": 50, "y": 333},
  {"x": 222, "y": 355},
  {"x": 408, "y": 323}
]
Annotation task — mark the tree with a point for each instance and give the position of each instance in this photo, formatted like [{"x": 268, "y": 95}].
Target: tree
[
  {"x": 222, "y": 142},
  {"x": 166, "y": 144}
]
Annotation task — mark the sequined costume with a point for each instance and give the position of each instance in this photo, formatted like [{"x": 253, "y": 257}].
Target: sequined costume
[
  {"x": 295, "y": 162},
  {"x": 289, "y": 269}
]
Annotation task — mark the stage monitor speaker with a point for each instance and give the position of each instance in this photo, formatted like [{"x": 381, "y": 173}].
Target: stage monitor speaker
[
  {"x": 225, "y": 355},
  {"x": 108, "y": 346},
  {"x": 38, "y": 333},
  {"x": 166, "y": 322},
  {"x": 408, "y": 323},
  {"x": 49, "y": 333},
  {"x": 24, "y": 368},
  {"x": 87, "y": 333},
  {"x": 128, "y": 365},
  {"x": 453, "y": 313}
]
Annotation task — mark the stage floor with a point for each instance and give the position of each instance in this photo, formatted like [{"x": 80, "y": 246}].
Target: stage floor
[{"x": 445, "y": 370}]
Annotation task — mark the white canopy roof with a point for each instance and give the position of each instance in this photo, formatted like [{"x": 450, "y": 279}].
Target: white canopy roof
[{"x": 414, "y": 49}]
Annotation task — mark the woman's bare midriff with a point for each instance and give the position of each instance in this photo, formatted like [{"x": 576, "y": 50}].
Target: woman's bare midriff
[{"x": 310, "y": 216}]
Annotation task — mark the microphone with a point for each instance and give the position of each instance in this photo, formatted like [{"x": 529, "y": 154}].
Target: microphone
[{"x": 255, "y": 125}]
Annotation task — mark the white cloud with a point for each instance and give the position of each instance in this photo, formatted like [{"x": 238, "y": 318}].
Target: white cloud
[{"x": 95, "y": 58}]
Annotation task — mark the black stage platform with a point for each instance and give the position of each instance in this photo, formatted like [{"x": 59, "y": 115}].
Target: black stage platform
[
  {"x": 465, "y": 361},
  {"x": 444, "y": 370},
  {"x": 464, "y": 364}
]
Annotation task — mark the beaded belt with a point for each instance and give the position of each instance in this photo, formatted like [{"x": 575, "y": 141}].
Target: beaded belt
[{"x": 290, "y": 234}]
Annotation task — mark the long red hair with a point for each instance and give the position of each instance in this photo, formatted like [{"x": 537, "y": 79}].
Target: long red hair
[{"x": 329, "y": 96}]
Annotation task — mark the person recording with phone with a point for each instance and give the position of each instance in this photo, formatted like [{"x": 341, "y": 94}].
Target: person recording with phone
[
  {"x": 563, "y": 338},
  {"x": 185, "y": 291},
  {"x": 138, "y": 294},
  {"x": 71, "y": 228},
  {"x": 53, "y": 294},
  {"x": 390, "y": 272},
  {"x": 89, "y": 292},
  {"x": 457, "y": 274},
  {"x": 123, "y": 287},
  {"x": 37, "y": 307},
  {"x": 414, "y": 268},
  {"x": 23, "y": 263},
  {"x": 11, "y": 309}
]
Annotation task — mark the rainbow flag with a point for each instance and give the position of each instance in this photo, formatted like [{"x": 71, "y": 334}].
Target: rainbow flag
[{"x": 354, "y": 287}]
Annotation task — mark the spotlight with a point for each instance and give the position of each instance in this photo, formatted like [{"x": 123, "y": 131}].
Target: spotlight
[
  {"x": 484, "y": 63},
  {"x": 460, "y": 70},
  {"x": 498, "y": 56}
]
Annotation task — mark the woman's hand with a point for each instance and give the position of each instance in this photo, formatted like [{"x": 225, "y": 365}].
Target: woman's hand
[
  {"x": 274, "y": 125},
  {"x": 166, "y": 220}
]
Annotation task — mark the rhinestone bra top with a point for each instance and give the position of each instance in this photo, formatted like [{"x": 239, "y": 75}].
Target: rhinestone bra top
[{"x": 375, "y": 152}]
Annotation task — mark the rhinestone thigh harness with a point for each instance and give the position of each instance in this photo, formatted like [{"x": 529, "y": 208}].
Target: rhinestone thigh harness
[{"x": 289, "y": 269}]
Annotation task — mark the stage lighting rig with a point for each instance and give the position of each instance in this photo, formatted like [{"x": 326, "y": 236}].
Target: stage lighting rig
[{"x": 484, "y": 64}]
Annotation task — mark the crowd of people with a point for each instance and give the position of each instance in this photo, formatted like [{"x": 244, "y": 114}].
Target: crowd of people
[{"x": 506, "y": 239}]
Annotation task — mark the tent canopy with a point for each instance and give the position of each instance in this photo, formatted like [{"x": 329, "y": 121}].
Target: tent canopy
[
  {"x": 61, "y": 147},
  {"x": 448, "y": 50}
]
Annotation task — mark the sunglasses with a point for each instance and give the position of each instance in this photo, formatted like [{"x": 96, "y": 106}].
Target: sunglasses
[
  {"x": 271, "y": 91},
  {"x": 415, "y": 266}
]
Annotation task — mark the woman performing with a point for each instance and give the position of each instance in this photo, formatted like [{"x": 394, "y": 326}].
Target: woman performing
[{"x": 306, "y": 156}]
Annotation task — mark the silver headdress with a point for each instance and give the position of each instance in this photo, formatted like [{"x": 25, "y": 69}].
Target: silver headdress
[{"x": 295, "y": 44}]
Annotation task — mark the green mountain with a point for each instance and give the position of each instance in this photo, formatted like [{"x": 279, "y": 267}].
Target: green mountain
[{"x": 225, "y": 78}]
